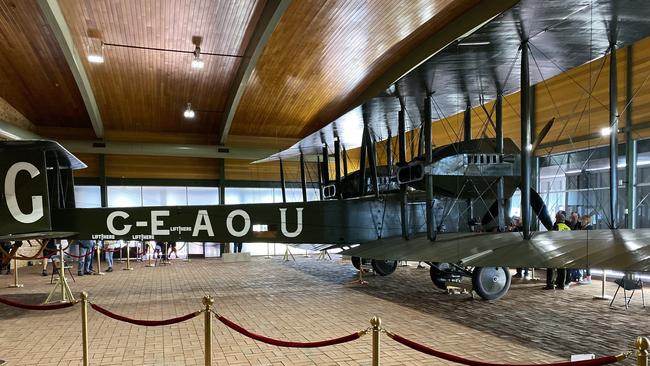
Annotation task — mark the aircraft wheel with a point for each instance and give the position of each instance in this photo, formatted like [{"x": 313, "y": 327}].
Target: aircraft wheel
[
  {"x": 436, "y": 272},
  {"x": 491, "y": 283},
  {"x": 356, "y": 262},
  {"x": 384, "y": 267}
]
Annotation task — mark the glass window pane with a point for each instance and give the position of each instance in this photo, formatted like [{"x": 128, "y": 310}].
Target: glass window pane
[
  {"x": 87, "y": 196},
  {"x": 124, "y": 196},
  {"x": 164, "y": 196},
  {"x": 250, "y": 195},
  {"x": 202, "y": 196}
]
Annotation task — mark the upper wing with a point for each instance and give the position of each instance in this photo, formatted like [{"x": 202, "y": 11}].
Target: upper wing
[{"x": 626, "y": 250}]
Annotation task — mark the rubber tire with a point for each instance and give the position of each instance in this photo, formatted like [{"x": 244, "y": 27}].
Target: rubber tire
[
  {"x": 356, "y": 262},
  {"x": 383, "y": 267},
  {"x": 436, "y": 277},
  {"x": 486, "y": 293}
]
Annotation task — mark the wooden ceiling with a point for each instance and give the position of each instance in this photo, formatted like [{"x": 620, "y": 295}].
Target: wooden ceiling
[
  {"x": 34, "y": 76},
  {"x": 144, "y": 84},
  {"x": 322, "y": 55}
]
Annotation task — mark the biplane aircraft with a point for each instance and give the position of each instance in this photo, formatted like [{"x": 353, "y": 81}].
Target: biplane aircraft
[{"x": 391, "y": 212}]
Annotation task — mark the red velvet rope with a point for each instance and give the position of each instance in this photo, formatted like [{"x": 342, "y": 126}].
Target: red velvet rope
[
  {"x": 464, "y": 361},
  {"x": 148, "y": 323},
  {"x": 36, "y": 307},
  {"x": 90, "y": 252},
  {"x": 281, "y": 343}
]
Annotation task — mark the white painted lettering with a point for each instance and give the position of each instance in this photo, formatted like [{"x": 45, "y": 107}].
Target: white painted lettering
[
  {"x": 10, "y": 194},
  {"x": 283, "y": 223},
  {"x": 111, "y": 226},
  {"x": 202, "y": 222},
  {"x": 155, "y": 223},
  {"x": 247, "y": 223}
]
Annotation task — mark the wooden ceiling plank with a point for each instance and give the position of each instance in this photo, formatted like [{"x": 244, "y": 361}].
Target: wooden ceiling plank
[
  {"x": 273, "y": 11},
  {"x": 59, "y": 27}
]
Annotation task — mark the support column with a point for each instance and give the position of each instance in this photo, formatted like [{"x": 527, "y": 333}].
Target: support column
[
  {"x": 282, "y": 183},
  {"x": 401, "y": 138},
  {"x": 467, "y": 136},
  {"x": 303, "y": 180},
  {"x": 428, "y": 179},
  {"x": 389, "y": 154},
  {"x": 325, "y": 166},
  {"x": 345, "y": 162},
  {"x": 223, "y": 247},
  {"x": 613, "y": 138},
  {"x": 631, "y": 148},
  {"x": 362, "y": 162},
  {"x": 337, "y": 166},
  {"x": 320, "y": 182},
  {"x": 501, "y": 203},
  {"x": 371, "y": 147},
  {"x": 103, "y": 189},
  {"x": 525, "y": 140}
]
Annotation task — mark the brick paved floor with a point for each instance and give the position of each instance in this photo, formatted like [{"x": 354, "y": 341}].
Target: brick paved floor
[{"x": 307, "y": 300}]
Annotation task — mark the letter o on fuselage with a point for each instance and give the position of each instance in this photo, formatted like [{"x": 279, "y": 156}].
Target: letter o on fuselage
[{"x": 247, "y": 223}]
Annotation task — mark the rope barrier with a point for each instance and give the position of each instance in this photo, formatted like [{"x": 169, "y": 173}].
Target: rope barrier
[
  {"x": 449, "y": 357},
  {"x": 90, "y": 252},
  {"x": 282, "y": 343},
  {"x": 148, "y": 323},
  {"x": 36, "y": 307}
]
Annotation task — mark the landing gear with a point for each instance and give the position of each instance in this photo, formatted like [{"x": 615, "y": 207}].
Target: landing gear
[
  {"x": 441, "y": 273},
  {"x": 383, "y": 267},
  {"x": 491, "y": 283}
]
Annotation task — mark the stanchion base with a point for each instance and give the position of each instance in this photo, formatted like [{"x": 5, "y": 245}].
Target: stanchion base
[
  {"x": 98, "y": 273},
  {"x": 603, "y": 297},
  {"x": 16, "y": 285},
  {"x": 127, "y": 269},
  {"x": 150, "y": 265}
]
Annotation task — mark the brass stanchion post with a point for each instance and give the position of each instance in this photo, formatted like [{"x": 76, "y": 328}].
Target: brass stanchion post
[
  {"x": 375, "y": 322},
  {"x": 642, "y": 345},
  {"x": 16, "y": 284},
  {"x": 128, "y": 258},
  {"x": 99, "y": 262},
  {"x": 208, "y": 301},
  {"x": 84, "y": 326}
]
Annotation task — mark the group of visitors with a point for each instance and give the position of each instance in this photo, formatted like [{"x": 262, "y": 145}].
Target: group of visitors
[
  {"x": 86, "y": 252},
  {"x": 561, "y": 278}
]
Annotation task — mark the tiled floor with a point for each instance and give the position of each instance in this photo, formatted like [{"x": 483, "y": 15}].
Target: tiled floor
[{"x": 308, "y": 300}]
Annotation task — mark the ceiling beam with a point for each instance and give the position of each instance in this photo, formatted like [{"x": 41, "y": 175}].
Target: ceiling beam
[
  {"x": 271, "y": 14},
  {"x": 55, "y": 19},
  {"x": 156, "y": 149}
]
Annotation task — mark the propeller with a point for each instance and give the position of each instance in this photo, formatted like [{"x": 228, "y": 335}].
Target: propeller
[
  {"x": 536, "y": 203},
  {"x": 543, "y": 133}
]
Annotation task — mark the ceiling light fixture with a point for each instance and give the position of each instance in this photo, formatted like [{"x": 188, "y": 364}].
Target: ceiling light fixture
[
  {"x": 474, "y": 43},
  {"x": 96, "y": 56},
  {"x": 189, "y": 113},
  {"x": 197, "y": 62},
  {"x": 606, "y": 131}
]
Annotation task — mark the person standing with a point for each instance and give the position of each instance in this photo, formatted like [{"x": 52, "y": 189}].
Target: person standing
[
  {"x": 108, "y": 255},
  {"x": 556, "y": 277},
  {"x": 238, "y": 247},
  {"x": 6, "y": 246},
  {"x": 85, "y": 251}
]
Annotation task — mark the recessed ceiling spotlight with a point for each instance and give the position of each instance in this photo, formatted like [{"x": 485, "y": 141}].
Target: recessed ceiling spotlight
[
  {"x": 96, "y": 54},
  {"x": 189, "y": 113},
  {"x": 197, "y": 62}
]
